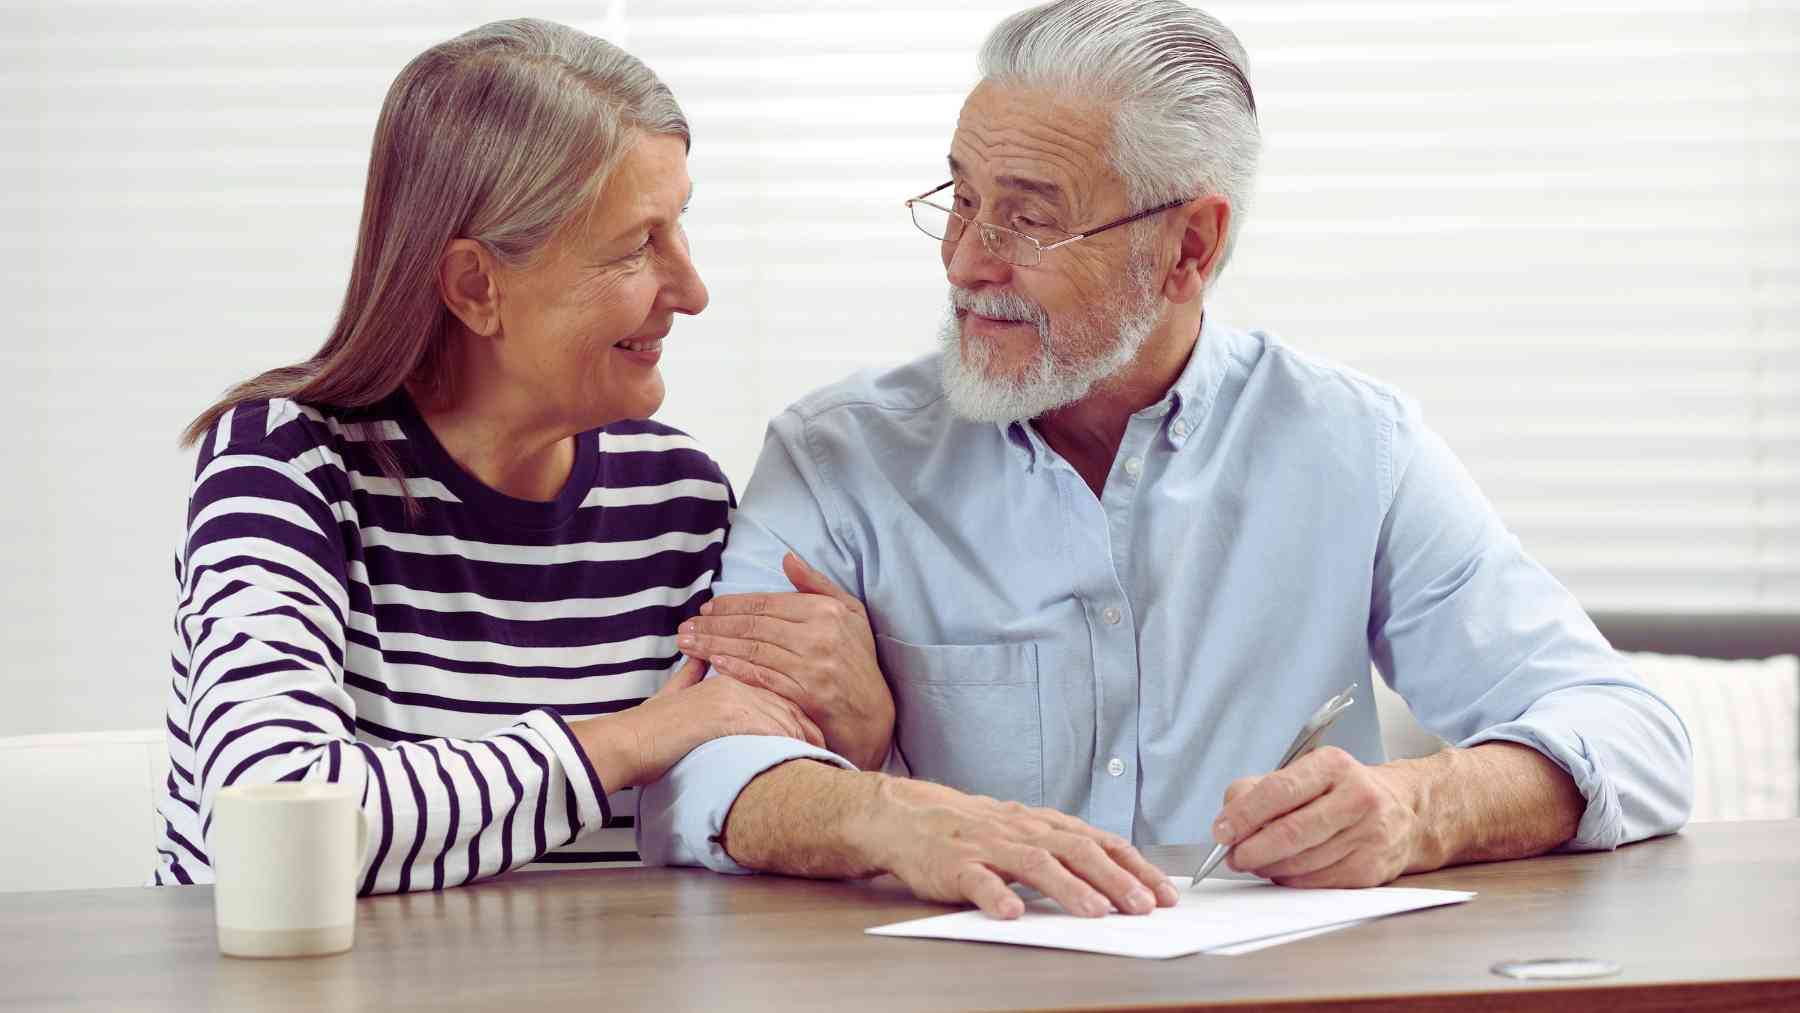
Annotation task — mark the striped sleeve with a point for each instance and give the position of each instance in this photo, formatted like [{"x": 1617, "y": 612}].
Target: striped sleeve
[{"x": 262, "y": 616}]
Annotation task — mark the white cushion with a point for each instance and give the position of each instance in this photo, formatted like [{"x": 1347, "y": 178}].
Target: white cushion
[
  {"x": 1744, "y": 720},
  {"x": 1401, "y": 733},
  {"x": 79, "y": 809}
]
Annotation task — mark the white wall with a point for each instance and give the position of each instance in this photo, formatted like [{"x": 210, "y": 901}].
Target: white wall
[{"x": 1565, "y": 226}]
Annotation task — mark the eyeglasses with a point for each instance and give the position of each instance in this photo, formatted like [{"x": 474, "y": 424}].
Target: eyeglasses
[{"x": 1014, "y": 247}]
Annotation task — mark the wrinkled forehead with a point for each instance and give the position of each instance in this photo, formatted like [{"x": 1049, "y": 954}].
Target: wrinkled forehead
[{"x": 1054, "y": 146}]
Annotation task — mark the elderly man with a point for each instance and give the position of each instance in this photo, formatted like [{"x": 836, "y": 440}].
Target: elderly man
[{"x": 1109, "y": 553}]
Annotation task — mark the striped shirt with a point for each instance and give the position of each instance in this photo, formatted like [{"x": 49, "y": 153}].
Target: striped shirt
[{"x": 431, "y": 658}]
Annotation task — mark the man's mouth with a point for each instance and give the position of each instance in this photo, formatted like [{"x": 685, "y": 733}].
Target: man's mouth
[{"x": 985, "y": 319}]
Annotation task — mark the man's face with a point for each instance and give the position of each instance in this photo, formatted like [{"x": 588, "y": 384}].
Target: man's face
[{"x": 1021, "y": 341}]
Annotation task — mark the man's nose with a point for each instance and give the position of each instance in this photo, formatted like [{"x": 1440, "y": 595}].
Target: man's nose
[{"x": 970, "y": 264}]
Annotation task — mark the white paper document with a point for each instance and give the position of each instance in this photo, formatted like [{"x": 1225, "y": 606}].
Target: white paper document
[{"x": 1221, "y": 915}]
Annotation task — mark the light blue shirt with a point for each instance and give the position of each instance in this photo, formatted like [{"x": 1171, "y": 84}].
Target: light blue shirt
[{"x": 1269, "y": 528}]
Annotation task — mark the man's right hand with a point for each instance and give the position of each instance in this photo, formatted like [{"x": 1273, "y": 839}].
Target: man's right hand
[{"x": 951, "y": 847}]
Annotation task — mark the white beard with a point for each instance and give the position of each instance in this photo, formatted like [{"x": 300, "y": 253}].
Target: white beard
[{"x": 1059, "y": 376}]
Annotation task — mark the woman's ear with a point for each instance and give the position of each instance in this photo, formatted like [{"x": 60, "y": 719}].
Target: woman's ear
[
  {"x": 468, "y": 287},
  {"x": 1204, "y": 225}
]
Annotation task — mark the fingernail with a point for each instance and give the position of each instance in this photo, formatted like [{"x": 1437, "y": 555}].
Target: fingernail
[
  {"x": 1166, "y": 892},
  {"x": 686, "y": 640},
  {"x": 1222, "y": 832},
  {"x": 1094, "y": 907},
  {"x": 687, "y": 627},
  {"x": 724, "y": 664},
  {"x": 706, "y": 609},
  {"x": 1141, "y": 902}
]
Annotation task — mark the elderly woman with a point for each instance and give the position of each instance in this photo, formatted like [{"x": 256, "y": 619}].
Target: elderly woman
[{"x": 444, "y": 559}]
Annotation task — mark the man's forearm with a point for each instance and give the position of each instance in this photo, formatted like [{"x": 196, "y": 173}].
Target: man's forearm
[
  {"x": 804, "y": 818},
  {"x": 1495, "y": 801}
]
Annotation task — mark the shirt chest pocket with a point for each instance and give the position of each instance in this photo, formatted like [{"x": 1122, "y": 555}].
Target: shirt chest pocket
[{"x": 967, "y": 715}]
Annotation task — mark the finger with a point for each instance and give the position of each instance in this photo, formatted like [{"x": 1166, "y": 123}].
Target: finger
[
  {"x": 760, "y": 652},
  {"x": 1299, "y": 831},
  {"x": 1088, "y": 859},
  {"x": 1311, "y": 860},
  {"x": 743, "y": 626},
  {"x": 782, "y": 717},
  {"x": 1239, "y": 786},
  {"x": 788, "y": 605},
  {"x": 1122, "y": 853},
  {"x": 1278, "y": 794},
  {"x": 1144, "y": 870},
  {"x": 981, "y": 887},
  {"x": 790, "y": 718},
  {"x": 689, "y": 675},
  {"x": 1348, "y": 872},
  {"x": 1043, "y": 871},
  {"x": 752, "y": 674},
  {"x": 809, "y": 729},
  {"x": 808, "y": 580}
]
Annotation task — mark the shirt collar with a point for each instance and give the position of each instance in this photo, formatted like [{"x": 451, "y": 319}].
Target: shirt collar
[
  {"x": 1184, "y": 407},
  {"x": 1194, "y": 391}
]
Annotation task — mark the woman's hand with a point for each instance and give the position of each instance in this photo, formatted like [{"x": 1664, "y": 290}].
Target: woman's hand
[
  {"x": 639, "y": 745},
  {"x": 813, "y": 647}
]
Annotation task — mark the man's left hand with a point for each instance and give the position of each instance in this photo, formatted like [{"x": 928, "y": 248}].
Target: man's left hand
[
  {"x": 812, "y": 646},
  {"x": 1325, "y": 820}
]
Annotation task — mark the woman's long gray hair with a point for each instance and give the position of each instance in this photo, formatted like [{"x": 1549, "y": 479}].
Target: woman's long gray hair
[{"x": 501, "y": 135}]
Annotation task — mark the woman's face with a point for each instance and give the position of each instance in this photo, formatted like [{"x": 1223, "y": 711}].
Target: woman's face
[{"x": 582, "y": 326}]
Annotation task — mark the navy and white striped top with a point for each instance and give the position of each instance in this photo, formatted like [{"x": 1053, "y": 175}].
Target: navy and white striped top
[{"x": 323, "y": 633}]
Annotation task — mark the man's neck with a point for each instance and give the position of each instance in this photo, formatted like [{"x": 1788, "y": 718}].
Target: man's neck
[{"x": 1087, "y": 433}]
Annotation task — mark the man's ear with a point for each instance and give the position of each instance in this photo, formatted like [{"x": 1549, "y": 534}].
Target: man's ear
[
  {"x": 1204, "y": 222},
  {"x": 468, "y": 287}
]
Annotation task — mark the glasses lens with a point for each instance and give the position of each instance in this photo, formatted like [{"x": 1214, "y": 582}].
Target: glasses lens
[
  {"x": 1010, "y": 246},
  {"x": 935, "y": 221}
]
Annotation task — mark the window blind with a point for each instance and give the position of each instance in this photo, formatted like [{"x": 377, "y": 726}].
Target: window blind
[{"x": 1565, "y": 227}]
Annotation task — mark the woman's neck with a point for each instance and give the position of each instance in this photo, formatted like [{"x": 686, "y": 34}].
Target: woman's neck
[{"x": 506, "y": 443}]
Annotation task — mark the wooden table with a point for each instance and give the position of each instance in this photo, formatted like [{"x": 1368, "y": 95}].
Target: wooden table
[{"x": 1709, "y": 918}]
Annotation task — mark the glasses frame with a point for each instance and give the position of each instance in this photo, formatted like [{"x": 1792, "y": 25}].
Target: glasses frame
[{"x": 989, "y": 231}]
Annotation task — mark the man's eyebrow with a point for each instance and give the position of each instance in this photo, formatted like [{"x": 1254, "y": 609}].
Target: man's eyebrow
[{"x": 1041, "y": 187}]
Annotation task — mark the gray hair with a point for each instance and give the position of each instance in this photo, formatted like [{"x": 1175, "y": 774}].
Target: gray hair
[
  {"x": 503, "y": 135},
  {"x": 1184, "y": 123}
]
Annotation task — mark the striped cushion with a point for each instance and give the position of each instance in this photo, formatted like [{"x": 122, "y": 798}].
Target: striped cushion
[{"x": 1744, "y": 720}]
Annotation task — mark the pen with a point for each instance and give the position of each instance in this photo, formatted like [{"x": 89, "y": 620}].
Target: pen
[{"x": 1309, "y": 736}]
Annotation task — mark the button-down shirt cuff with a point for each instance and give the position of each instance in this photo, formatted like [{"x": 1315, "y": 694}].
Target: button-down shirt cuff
[
  {"x": 681, "y": 817},
  {"x": 1602, "y": 826}
]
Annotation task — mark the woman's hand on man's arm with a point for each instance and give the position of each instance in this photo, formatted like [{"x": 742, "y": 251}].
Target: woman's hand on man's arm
[
  {"x": 812, "y": 646},
  {"x": 639, "y": 745}
]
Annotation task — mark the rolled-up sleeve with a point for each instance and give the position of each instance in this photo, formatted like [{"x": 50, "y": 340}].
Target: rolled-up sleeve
[
  {"x": 1485, "y": 645},
  {"x": 682, "y": 816}
]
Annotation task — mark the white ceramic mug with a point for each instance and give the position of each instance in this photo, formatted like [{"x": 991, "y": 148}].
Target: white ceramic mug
[{"x": 285, "y": 860}]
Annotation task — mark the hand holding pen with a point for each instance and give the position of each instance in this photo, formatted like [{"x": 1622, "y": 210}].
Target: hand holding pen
[
  {"x": 1326, "y": 819},
  {"x": 1304, "y": 742}
]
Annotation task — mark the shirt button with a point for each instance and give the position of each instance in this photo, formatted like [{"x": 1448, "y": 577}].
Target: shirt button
[
  {"x": 1115, "y": 766},
  {"x": 1180, "y": 430},
  {"x": 1134, "y": 467},
  {"x": 1112, "y": 617}
]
